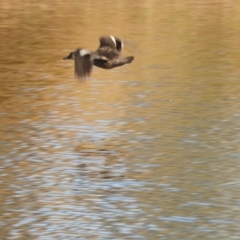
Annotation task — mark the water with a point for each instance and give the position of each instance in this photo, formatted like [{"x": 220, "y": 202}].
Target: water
[{"x": 146, "y": 151}]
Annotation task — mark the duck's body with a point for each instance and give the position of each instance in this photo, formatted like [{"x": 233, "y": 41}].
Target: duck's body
[{"x": 107, "y": 56}]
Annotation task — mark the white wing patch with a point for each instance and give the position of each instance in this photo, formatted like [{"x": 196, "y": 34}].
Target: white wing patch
[
  {"x": 113, "y": 39},
  {"x": 84, "y": 52}
]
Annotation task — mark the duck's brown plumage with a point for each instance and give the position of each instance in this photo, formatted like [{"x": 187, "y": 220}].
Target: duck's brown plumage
[
  {"x": 109, "y": 64},
  {"x": 107, "y": 56}
]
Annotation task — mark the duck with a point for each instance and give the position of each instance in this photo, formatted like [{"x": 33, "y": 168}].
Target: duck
[{"x": 107, "y": 56}]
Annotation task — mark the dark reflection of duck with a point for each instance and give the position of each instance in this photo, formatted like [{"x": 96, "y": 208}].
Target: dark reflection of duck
[{"x": 107, "y": 56}]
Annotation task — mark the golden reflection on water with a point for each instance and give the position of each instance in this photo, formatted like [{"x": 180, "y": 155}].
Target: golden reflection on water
[{"x": 145, "y": 150}]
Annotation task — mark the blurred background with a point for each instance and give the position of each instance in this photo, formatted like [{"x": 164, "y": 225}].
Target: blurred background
[{"x": 146, "y": 151}]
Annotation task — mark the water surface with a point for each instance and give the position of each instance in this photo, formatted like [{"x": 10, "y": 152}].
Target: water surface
[{"x": 146, "y": 151}]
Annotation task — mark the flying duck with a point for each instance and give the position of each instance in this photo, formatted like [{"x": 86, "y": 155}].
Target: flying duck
[{"x": 107, "y": 56}]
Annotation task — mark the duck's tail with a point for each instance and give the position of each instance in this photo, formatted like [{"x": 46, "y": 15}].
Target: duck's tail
[
  {"x": 116, "y": 62},
  {"x": 129, "y": 59}
]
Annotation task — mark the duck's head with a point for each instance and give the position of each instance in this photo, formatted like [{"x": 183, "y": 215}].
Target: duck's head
[{"x": 70, "y": 56}]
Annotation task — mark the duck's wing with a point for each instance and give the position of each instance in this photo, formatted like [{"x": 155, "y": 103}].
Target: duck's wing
[
  {"x": 107, "y": 41},
  {"x": 83, "y": 63},
  {"x": 119, "y": 43},
  {"x": 111, "y": 42},
  {"x": 116, "y": 43},
  {"x": 110, "y": 47}
]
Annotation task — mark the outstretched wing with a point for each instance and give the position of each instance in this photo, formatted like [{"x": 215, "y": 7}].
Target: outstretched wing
[
  {"x": 83, "y": 64},
  {"x": 119, "y": 44},
  {"x": 112, "y": 42}
]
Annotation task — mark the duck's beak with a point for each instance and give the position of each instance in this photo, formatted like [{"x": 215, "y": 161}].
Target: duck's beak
[{"x": 68, "y": 57}]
